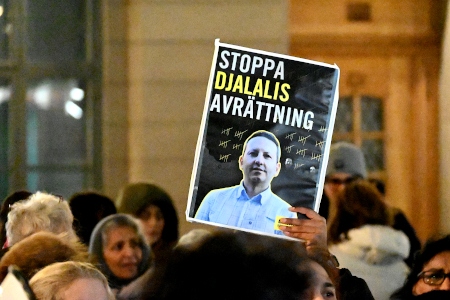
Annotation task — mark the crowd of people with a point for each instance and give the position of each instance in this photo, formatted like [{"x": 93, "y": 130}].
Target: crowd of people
[{"x": 90, "y": 246}]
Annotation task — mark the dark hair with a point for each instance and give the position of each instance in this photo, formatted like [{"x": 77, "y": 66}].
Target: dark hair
[
  {"x": 165, "y": 204},
  {"x": 7, "y": 202},
  {"x": 432, "y": 247},
  {"x": 379, "y": 184},
  {"x": 268, "y": 135},
  {"x": 239, "y": 266},
  {"x": 88, "y": 208},
  {"x": 328, "y": 262},
  {"x": 358, "y": 204},
  {"x": 136, "y": 197}
]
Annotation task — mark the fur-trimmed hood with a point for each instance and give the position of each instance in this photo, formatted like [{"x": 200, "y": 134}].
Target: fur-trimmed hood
[
  {"x": 375, "y": 244},
  {"x": 41, "y": 249}
]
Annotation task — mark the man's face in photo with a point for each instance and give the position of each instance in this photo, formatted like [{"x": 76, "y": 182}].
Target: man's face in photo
[{"x": 259, "y": 163}]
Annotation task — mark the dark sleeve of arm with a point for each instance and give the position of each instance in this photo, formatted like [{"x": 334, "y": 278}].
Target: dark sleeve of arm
[
  {"x": 402, "y": 223},
  {"x": 352, "y": 287},
  {"x": 324, "y": 208}
]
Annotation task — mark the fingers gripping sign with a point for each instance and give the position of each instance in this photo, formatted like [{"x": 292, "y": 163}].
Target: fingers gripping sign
[{"x": 312, "y": 230}]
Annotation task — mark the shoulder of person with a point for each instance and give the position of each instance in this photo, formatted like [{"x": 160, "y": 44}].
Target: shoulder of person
[
  {"x": 353, "y": 287},
  {"x": 215, "y": 193}
]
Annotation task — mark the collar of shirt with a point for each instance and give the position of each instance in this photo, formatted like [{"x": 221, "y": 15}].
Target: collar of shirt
[{"x": 262, "y": 197}]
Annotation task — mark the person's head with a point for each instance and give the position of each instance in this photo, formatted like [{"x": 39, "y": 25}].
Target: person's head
[
  {"x": 119, "y": 247},
  {"x": 321, "y": 287},
  {"x": 70, "y": 281},
  {"x": 41, "y": 212},
  {"x": 358, "y": 204},
  {"x": 6, "y": 207},
  {"x": 154, "y": 208},
  {"x": 431, "y": 269},
  {"x": 260, "y": 159},
  {"x": 325, "y": 279},
  {"x": 345, "y": 163},
  {"x": 193, "y": 238},
  {"x": 257, "y": 267},
  {"x": 88, "y": 208}
]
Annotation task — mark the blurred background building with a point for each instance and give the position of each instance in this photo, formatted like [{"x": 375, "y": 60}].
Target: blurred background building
[{"x": 98, "y": 93}]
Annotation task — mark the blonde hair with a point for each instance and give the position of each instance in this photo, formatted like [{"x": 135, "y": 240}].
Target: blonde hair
[
  {"x": 40, "y": 212},
  {"x": 49, "y": 282}
]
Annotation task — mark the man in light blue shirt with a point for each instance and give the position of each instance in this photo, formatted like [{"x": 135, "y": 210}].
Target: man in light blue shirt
[{"x": 252, "y": 204}]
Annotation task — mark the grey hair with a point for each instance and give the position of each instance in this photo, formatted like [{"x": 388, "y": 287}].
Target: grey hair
[
  {"x": 40, "y": 212},
  {"x": 121, "y": 220},
  {"x": 99, "y": 238}
]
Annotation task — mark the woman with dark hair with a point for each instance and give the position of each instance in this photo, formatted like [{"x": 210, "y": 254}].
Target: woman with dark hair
[
  {"x": 430, "y": 275},
  {"x": 154, "y": 208},
  {"x": 325, "y": 279},
  {"x": 363, "y": 242}
]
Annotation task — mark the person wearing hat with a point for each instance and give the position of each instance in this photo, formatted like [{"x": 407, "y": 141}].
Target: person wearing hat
[{"x": 345, "y": 164}]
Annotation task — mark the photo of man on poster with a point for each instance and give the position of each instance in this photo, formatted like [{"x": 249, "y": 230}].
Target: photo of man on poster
[{"x": 251, "y": 204}]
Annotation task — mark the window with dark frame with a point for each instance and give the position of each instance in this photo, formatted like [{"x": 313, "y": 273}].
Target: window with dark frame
[
  {"x": 359, "y": 120},
  {"x": 50, "y": 92}
]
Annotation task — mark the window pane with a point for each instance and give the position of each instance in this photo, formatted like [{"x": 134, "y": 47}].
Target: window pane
[
  {"x": 372, "y": 114},
  {"x": 56, "y": 123},
  {"x": 344, "y": 113},
  {"x": 5, "y": 29},
  {"x": 55, "y": 30},
  {"x": 374, "y": 155},
  {"x": 63, "y": 183},
  {"x": 5, "y": 97}
]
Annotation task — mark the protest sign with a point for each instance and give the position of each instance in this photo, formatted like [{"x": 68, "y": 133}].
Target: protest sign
[{"x": 287, "y": 106}]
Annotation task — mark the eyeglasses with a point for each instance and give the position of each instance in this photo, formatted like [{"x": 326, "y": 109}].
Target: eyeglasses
[
  {"x": 434, "y": 277},
  {"x": 338, "y": 181}
]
